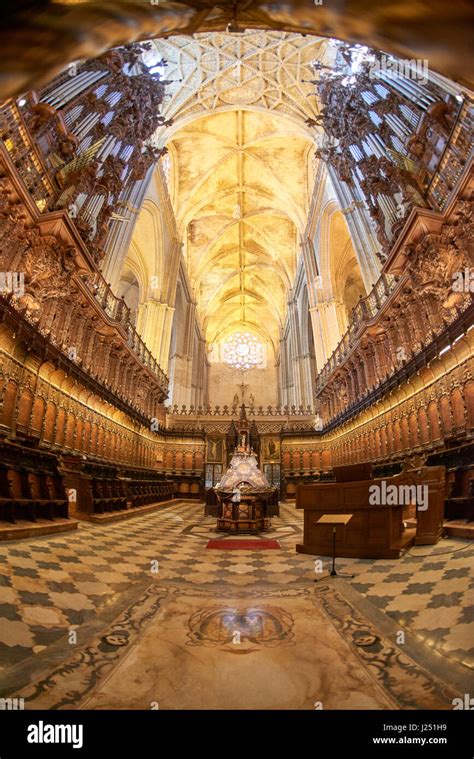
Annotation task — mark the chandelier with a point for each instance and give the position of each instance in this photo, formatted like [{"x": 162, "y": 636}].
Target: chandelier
[{"x": 243, "y": 351}]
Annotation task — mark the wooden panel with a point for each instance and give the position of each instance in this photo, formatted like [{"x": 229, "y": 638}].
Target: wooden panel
[{"x": 375, "y": 530}]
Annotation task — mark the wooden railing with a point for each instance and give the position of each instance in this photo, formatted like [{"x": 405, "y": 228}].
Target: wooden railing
[
  {"x": 117, "y": 311},
  {"x": 457, "y": 152},
  {"x": 366, "y": 311}
]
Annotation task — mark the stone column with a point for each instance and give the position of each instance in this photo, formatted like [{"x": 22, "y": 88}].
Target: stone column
[
  {"x": 200, "y": 373},
  {"x": 311, "y": 270},
  {"x": 329, "y": 321},
  {"x": 154, "y": 324},
  {"x": 362, "y": 233},
  {"x": 120, "y": 235},
  {"x": 295, "y": 348},
  {"x": 307, "y": 375}
]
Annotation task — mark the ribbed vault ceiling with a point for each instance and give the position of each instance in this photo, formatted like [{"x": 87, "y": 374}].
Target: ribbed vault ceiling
[
  {"x": 241, "y": 186},
  {"x": 241, "y": 169},
  {"x": 267, "y": 70}
]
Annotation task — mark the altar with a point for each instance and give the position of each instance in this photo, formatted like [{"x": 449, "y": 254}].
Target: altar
[{"x": 243, "y": 494}]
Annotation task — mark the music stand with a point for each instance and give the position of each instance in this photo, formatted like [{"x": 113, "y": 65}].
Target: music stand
[{"x": 334, "y": 520}]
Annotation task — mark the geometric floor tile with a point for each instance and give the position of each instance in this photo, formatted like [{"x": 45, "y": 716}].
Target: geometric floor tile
[{"x": 51, "y": 585}]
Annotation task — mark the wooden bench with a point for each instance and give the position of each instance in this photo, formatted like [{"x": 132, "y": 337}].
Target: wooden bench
[
  {"x": 460, "y": 493},
  {"x": 45, "y": 491},
  {"x": 24, "y": 503},
  {"x": 7, "y": 499}
]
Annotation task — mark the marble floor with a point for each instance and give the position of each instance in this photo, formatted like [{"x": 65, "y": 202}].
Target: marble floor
[{"x": 141, "y": 615}]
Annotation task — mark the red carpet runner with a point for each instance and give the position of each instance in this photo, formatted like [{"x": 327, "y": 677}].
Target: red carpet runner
[{"x": 243, "y": 545}]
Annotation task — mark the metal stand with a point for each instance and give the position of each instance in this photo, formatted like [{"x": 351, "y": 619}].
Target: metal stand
[{"x": 333, "y": 572}]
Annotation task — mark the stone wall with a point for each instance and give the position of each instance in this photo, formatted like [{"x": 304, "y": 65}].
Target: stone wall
[{"x": 224, "y": 384}]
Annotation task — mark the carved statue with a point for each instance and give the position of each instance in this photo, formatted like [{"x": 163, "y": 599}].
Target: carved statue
[{"x": 440, "y": 113}]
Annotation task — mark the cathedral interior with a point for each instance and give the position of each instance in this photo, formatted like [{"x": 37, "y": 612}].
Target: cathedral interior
[{"x": 236, "y": 310}]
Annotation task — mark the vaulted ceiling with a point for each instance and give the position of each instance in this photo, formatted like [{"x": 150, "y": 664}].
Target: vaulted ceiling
[
  {"x": 241, "y": 169},
  {"x": 241, "y": 192},
  {"x": 265, "y": 70}
]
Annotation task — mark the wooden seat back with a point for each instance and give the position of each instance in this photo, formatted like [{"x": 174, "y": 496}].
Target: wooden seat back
[{"x": 16, "y": 479}]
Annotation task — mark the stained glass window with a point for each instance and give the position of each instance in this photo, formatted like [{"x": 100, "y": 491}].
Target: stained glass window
[{"x": 243, "y": 350}]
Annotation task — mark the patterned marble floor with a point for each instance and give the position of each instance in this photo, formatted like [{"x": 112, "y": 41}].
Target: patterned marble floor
[{"x": 52, "y": 589}]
